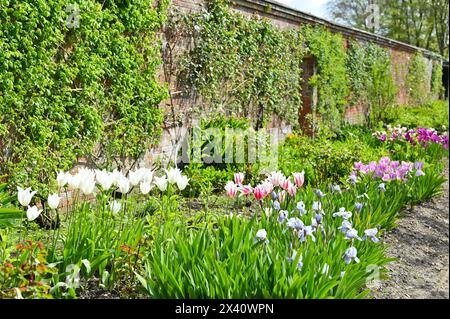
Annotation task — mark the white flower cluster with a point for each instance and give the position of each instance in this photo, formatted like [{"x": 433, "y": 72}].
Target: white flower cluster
[{"x": 87, "y": 181}]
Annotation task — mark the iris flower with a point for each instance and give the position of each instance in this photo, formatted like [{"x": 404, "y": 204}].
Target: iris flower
[
  {"x": 351, "y": 254},
  {"x": 282, "y": 216},
  {"x": 342, "y": 213},
  {"x": 261, "y": 235},
  {"x": 371, "y": 232}
]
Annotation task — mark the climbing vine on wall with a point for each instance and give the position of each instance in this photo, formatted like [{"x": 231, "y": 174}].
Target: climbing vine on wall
[
  {"x": 331, "y": 79},
  {"x": 370, "y": 77},
  {"x": 69, "y": 91},
  {"x": 240, "y": 66},
  {"x": 416, "y": 81},
  {"x": 437, "y": 87}
]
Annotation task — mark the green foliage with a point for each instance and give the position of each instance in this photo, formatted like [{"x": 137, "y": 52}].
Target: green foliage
[
  {"x": 95, "y": 234},
  {"x": 26, "y": 273},
  {"x": 8, "y": 213},
  {"x": 205, "y": 173},
  {"x": 331, "y": 79},
  {"x": 240, "y": 66},
  {"x": 328, "y": 158},
  {"x": 65, "y": 92},
  {"x": 437, "y": 87},
  {"x": 417, "y": 80},
  {"x": 432, "y": 115},
  {"x": 371, "y": 81},
  {"x": 425, "y": 187},
  {"x": 228, "y": 263}
]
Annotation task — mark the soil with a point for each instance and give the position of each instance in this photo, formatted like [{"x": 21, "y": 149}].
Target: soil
[{"x": 421, "y": 245}]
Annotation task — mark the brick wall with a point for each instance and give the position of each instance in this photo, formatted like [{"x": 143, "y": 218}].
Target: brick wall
[
  {"x": 287, "y": 18},
  {"x": 400, "y": 64}
]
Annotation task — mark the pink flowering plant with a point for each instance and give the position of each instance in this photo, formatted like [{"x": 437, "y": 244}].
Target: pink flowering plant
[{"x": 413, "y": 144}]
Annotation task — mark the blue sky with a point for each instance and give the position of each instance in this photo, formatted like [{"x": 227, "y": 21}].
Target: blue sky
[{"x": 315, "y": 7}]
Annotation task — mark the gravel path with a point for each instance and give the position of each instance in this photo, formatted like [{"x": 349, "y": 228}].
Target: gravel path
[{"x": 420, "y": 244}]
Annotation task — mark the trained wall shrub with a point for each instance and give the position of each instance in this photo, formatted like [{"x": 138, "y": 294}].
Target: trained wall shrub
[
  {"x": 417, "y": 81},
  {"x": 74, "y": 84},
  {"x": 437, "y": 87},
  {"x": 240, "y": 66},
  {"x": 371, "y": 82},
  {"x": 331, "y": 79}
]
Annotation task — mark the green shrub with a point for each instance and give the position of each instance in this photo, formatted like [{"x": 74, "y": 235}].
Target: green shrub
[
  {"x": 325, "y": 158},
  {"x": 370, "y": 77},
  {"x": 417, "y": 80},
  {"x": 434, "y": 114},
  {"x": 331, "y": 79}
]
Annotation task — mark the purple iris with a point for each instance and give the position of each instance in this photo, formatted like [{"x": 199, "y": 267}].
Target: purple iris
[
  {"x": 419, "y": 172},
  {"x": 351, "y": 234},
  {"x": 295, "y": 223},
  {"x": 382, "y": 187},
  {"x": 346, "y": 225},
  {"x": 371, "y": 232},
  {"x": 351, "y": 254},
  {"x": 343, "y": 213},
  {"x": 359, "y": 206},
  {"x": 352, "y": 178},
  {"x": 301, "y": 208},
  {"x": 276, "y": 205},
  {"x": 319, "y": 193},
  {"x": 282, "y": 216},
  {"x": 318, "y": 218}
]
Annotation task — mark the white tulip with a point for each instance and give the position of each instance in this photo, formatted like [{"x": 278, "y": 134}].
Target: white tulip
[
  {"x": 74, "y": 181},
  {"x": 161, "y": 183},
  {"x": 33, "y": 213},
  {"x": 115, "y": 207},
  {"x": 105, "y": 179},
  {"x": 116, "y": 176},
  {"x": 147, "y": 175},
  {"x": 172, "y": 175},
  {"x": 135, "y": 177},
  {"x": 53, "y": 201},
  {"x": 62, "y": 179},
  {"x": 25, "y": 195},
  {"x": 87, "y": 181},
  {"x": 182, "y": 182},
  {"x": 145, "y": 187},
  {"x": 123, "y": 184}
]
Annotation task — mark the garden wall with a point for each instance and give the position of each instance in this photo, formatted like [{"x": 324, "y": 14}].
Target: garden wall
[{"x": 285, "y": 18}]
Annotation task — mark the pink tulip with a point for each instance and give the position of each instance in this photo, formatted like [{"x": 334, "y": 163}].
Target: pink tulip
[
  {"x": 292, "y": 190},
  {"x": 231, "y": 189},
  {"x": 276, "y": 178},
  {"x": 258, "y": 192},
  {"x": 238, "y": 178},
  {"x": 246, "y": 190},
  {"x": 267, "y": 187},
  {"x": 282, "y": 196},
  {"x": 299, "y": 178},
  {"x": 285, "y": 183}
]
